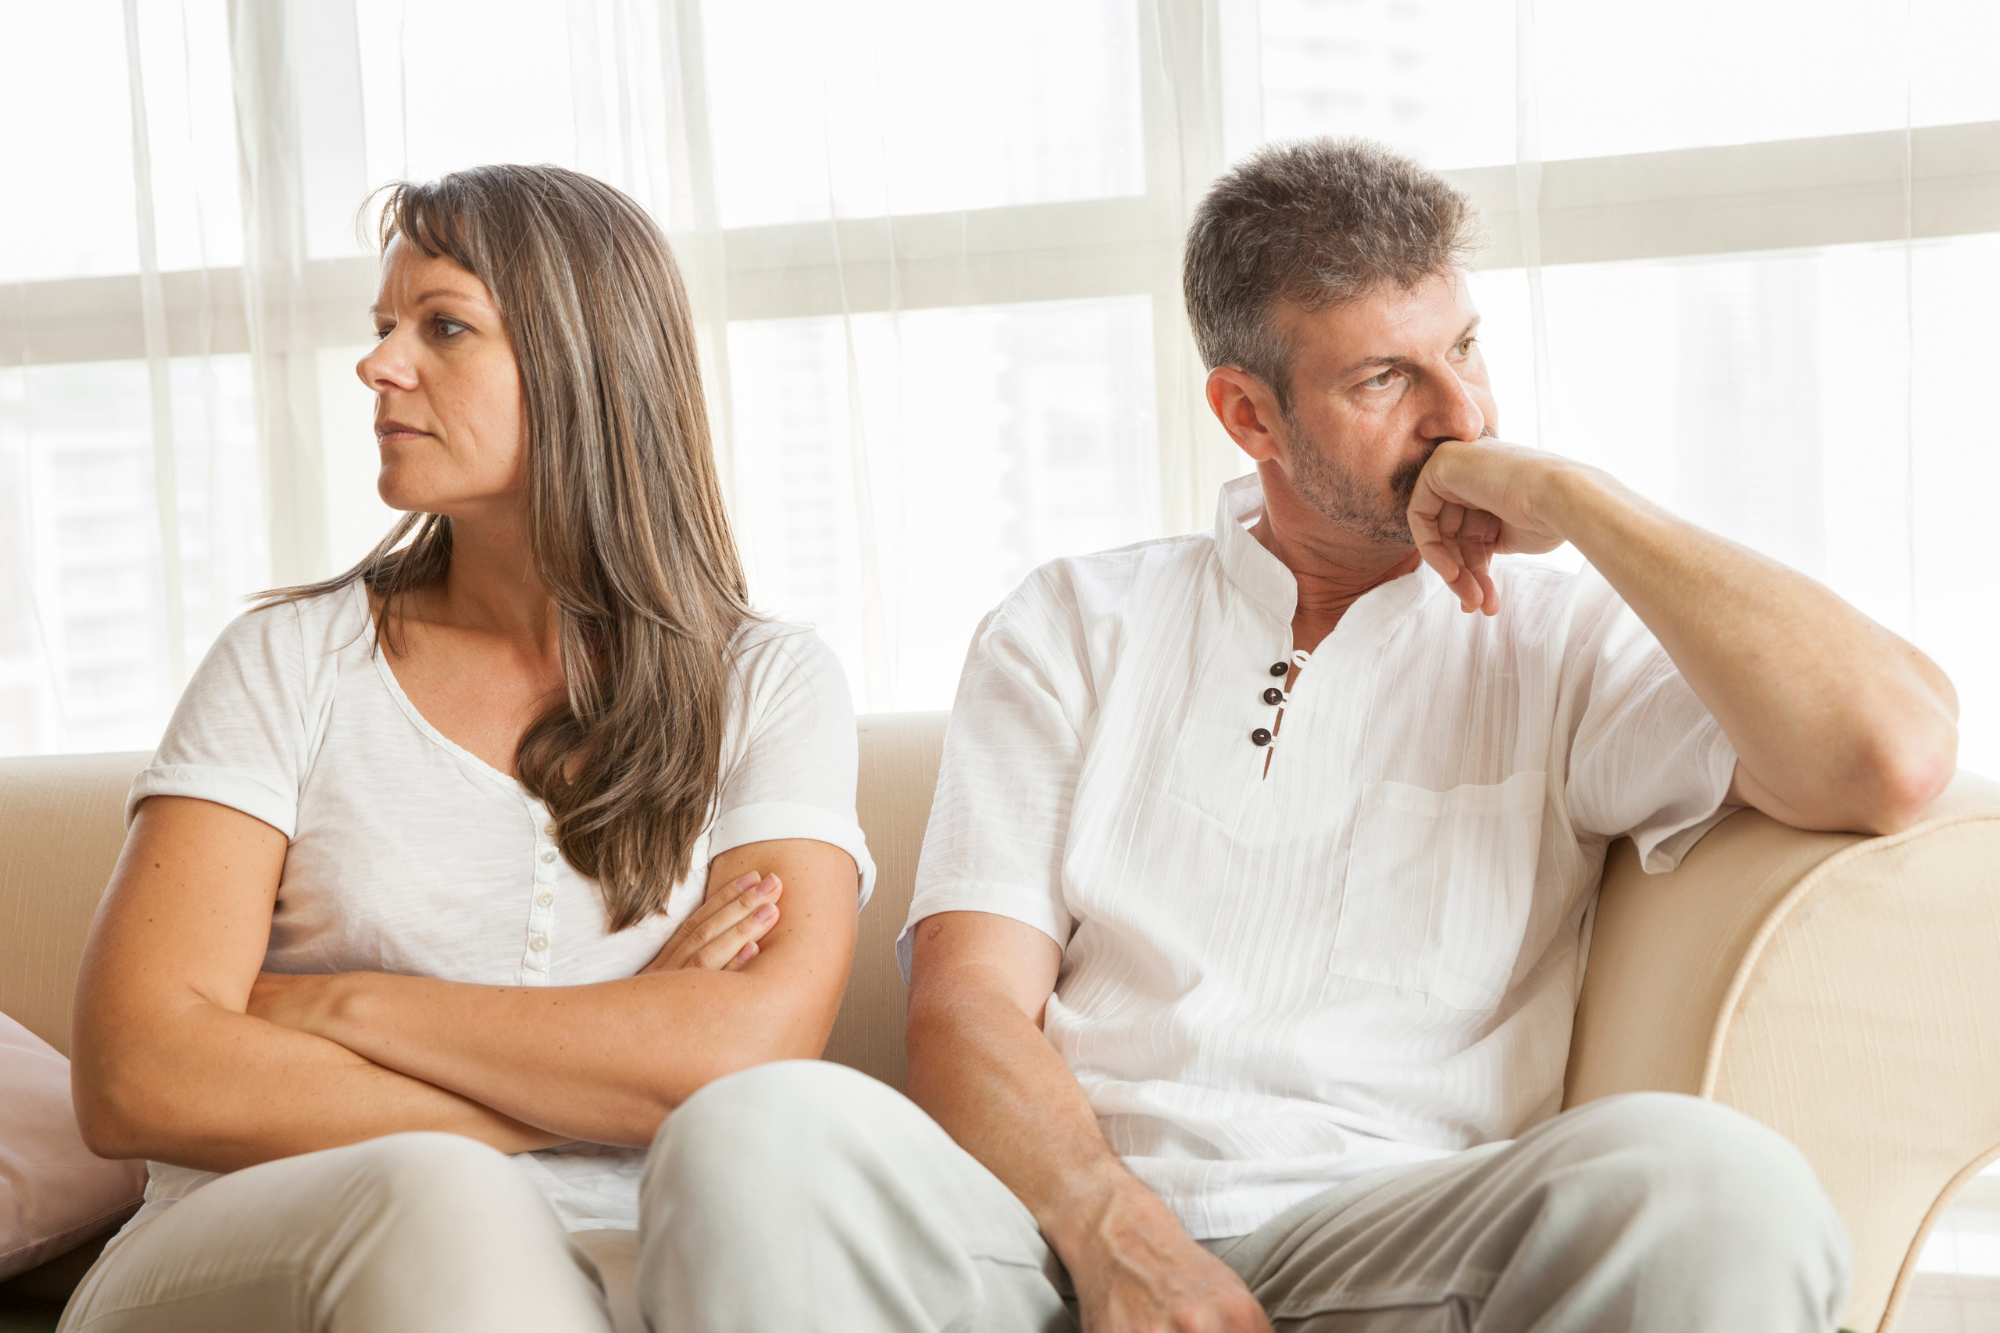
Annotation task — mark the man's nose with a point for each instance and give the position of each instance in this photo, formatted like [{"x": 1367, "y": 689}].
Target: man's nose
[{"x": 1453, "y": 413}]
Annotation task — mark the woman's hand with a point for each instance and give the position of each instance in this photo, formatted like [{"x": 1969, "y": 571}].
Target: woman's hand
[{"x": 722, "y": 933}]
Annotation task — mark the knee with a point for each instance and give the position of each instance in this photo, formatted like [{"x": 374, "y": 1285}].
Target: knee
[
  {"x": 775, "y": 1127},
  {"x": 1709, "y": 1173},
  {"x": 428, "y": 1179}
]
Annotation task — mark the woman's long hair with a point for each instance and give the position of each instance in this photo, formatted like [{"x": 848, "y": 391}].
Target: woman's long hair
[{"x": 625, "y": 514}]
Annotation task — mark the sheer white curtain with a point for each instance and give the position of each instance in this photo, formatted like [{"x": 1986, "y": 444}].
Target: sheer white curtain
[{"x": 1740, "y": 256}]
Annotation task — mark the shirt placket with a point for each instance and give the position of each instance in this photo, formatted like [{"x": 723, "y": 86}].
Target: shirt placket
[{"x": 542, "y": 899}]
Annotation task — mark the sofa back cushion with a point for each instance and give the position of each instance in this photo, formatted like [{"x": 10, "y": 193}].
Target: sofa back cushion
[
  {"x": 61, "y": 828},
  {"x": 61, "y": 825}
]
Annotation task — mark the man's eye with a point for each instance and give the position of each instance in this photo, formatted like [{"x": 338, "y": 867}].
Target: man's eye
[
  {"x": 1465, "y": 348},
  {"x": 1382, "y": 381},
  {"x": 384, "y": 331}
]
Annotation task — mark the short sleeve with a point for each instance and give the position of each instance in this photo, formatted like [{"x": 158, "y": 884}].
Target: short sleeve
[
  {"x": 1007, "y": 782},
  {"x": 239, "y": 734},
  {"x": 789, "y": 770},
  {"x": 1647, "y": 760}
]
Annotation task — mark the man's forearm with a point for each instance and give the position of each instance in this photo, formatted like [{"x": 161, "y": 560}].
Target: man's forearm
[
  {"x": 1837, "y": 723},
  {"x": 984, "y": 1071}
]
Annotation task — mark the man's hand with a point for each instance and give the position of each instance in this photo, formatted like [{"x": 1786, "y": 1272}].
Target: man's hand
[
  {"x": 1476, "y": 500},
  {"x": 1136, "y": 1271}
]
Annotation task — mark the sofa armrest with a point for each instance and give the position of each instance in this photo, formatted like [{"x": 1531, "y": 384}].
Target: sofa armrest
[{"x": 1843, "y": 990}]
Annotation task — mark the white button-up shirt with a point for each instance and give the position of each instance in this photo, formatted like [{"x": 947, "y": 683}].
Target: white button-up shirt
[
  {"x": 409, "y": 854},
  {"x": 1355, "y": 945}
]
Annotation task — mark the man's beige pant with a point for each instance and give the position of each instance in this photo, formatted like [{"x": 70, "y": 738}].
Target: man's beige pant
[{"x": 804, "y": 1196}]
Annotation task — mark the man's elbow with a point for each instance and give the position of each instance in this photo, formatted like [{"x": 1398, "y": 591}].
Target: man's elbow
[{"x": 1906, "y": 775}]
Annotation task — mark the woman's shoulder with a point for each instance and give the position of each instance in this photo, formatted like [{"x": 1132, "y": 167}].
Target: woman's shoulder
[
  {"x": 321, "y": 619},
  {"x": 766, "y": 646},
  {"x": 285, "y": 634},
  {"x": 774, "y": 661}
]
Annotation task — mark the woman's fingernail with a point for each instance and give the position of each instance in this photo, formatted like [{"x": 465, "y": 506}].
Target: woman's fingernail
[
  {"x": 769, "y": 888},
  {"x": 747, "y": 952},
  {"x": 766, "y": 913},
  {"x": 745, "y": 881}
]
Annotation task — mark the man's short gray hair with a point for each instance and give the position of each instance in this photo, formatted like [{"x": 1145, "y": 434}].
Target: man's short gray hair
[{"x": 1318, "y": 222}]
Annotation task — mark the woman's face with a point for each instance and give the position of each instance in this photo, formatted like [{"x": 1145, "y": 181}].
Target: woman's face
[{"x": 448, "y": 410}]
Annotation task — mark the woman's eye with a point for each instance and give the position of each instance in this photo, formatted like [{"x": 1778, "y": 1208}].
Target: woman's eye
[
  {"x": 384, "y": 331},
  {"x": 448, "y": 327}
]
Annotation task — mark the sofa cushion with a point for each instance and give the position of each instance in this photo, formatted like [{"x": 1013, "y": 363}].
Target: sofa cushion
[{"x": 54, "y": 1192}]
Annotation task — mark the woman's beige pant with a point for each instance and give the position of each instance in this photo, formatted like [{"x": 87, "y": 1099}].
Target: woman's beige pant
[
  {"x": 803, "y": 1196},
  {"x": 409, "y": 1232}
]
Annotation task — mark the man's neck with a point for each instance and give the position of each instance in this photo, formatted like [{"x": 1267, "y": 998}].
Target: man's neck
[{"x": 1333, "y": 568}]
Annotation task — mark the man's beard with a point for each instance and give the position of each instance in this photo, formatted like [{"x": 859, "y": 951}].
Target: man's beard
[{"x": 1350, "y": 499}]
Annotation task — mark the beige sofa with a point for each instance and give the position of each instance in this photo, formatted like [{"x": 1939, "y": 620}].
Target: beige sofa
[{"x": 1844, "y": 990}]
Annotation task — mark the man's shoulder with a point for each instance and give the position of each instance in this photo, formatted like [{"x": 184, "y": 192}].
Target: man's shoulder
[{"x": 1106, "y": 582}]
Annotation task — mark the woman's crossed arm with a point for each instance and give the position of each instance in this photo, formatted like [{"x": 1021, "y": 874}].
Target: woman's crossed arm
[{"x": 181, "y": 1056}]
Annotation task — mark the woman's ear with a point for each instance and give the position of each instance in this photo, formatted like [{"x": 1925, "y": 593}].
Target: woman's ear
[{"x": 1248, "y": 410}]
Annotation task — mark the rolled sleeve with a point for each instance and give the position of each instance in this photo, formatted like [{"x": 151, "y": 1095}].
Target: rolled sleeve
[
  {"x": 238, "y": 737},
  {"x": 789, "y": 771},
  {"x": 1647, "y": 760},
  {"x": 1007, "y": 783}
]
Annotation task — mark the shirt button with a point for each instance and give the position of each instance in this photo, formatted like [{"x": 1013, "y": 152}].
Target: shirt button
[
  {"x": 544, "y": 899},
  {"x": 1274, "y": 695},
  {"x": 548, "y": 830},
  {"x": 549, "y": 856},
  {"x": 539, "y": 943},
  {"x": 1260, "y": 737},
  {"x": 1281, "y": 668}
]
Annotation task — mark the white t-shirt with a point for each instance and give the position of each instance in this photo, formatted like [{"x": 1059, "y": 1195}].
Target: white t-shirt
[
  {"x": 1356, "y": 946},
  {"x": 410, "y": 855}
]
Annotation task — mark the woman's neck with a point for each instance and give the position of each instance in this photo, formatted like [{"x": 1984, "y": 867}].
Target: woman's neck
[{"x": 492, "y": 586}]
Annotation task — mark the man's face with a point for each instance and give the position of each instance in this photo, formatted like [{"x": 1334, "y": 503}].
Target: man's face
[{"x": 1377, "y": 384}]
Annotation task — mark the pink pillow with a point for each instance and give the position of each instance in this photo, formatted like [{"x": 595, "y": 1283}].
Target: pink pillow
[{"x": 54, "y": 1193}]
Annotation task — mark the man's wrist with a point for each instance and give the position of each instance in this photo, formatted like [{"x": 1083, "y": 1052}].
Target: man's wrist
[
  {"x": 1565, "y": 494},
  {"x": 1099, "y": 1205}
]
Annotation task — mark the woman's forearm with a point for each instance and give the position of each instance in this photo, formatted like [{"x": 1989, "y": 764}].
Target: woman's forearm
[
  {"x": 606, "y": 1062},
  {"x": 603, "y": 1063},
  {"x": 215, "y": 1090}
]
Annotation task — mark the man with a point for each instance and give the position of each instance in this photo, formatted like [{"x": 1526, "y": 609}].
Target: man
[{"x": 1253, "y": 905}]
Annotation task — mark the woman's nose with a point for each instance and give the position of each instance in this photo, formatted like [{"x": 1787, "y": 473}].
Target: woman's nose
[{"x": 385, "y": 366}]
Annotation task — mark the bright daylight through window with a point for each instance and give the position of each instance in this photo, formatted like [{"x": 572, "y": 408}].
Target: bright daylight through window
[{"x": 933, "y": 250}]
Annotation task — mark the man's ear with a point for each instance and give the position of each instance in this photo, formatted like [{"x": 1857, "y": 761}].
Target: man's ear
[{"x": 1248, "y": 410}]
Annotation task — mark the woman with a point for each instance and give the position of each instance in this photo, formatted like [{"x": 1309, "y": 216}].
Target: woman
[{"x": 479, "y": 848}]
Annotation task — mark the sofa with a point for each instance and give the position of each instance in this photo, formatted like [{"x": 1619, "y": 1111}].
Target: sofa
[{"x": 1843, "y": 989}]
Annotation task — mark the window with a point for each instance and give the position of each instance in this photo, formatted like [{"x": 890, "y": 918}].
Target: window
[{"x": 934, "y": 248}]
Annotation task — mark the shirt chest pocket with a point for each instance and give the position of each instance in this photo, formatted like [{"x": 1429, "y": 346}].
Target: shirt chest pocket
[{"x": 1439, "y": 888}]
